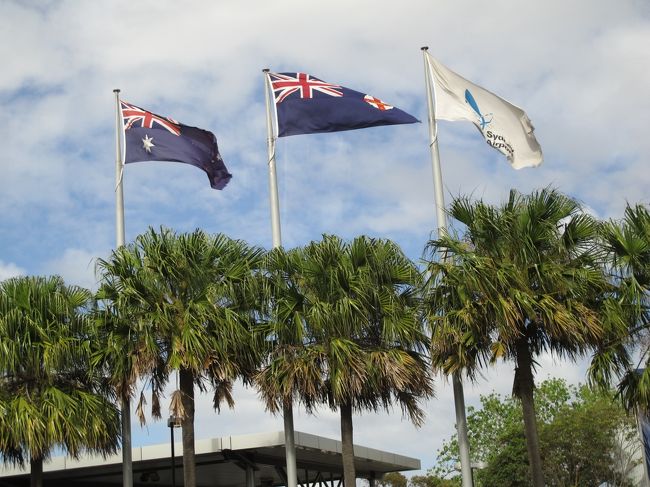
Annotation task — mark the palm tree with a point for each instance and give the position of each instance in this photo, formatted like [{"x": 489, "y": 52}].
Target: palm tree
[
  {"x": 188, "y": 299},
  {"x": 628, "y": 249},
  {"x": 50, "y": 395},
  {"x": 526, "y": 278},
  {"x": 390, "y": 333},
  {"x": 346, "y": 332}
]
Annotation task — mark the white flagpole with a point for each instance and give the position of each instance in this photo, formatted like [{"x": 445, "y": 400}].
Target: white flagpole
[
  {"x": 127, "y": 464},
  {"x": 119, "y": 196},
  {"x": 273, "y": 180},
  {"x": 287, "y": 413},
  {"x": 459, "y": 396}
]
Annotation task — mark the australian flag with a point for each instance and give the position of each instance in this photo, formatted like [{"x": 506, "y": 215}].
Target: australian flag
[
  {"x": 150, "y": 137},
  {"x": 307, "y": 105}
]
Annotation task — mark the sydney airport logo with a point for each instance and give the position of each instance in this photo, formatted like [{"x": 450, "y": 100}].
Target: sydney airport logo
[
  {"x": 482, "y": 119},
  {"x": 497, "y": 141}
]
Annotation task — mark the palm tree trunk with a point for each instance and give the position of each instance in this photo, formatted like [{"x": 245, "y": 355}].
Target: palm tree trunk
[
  {"x": 347, "y": 446},
  {"x": 187, "y": 393},
  {"x": 461, "y": 432},
  {"x": 36, "y": 472},
  {"x": 127, "y": 456},
  {"x": 524, "y": 389},
  {"x": 290, "y": 446}
]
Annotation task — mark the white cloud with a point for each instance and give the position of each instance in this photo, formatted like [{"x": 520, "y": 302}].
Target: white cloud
[
  {"x": 76, "y": 266},
  {"x": 7, "y": 270}
]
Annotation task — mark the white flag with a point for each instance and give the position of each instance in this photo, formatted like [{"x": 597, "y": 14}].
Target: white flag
[{"x": 504, "y": 126}]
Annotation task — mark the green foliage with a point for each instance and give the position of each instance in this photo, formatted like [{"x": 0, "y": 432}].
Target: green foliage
[
  {"x": 508, "y": 465},
  {"x": 526, "y": 277},
  {"x": 583, "y": 441},
  {"x": 344, "y": 327},
  {"x": 180, "y": 303},
  {"x": 526, "y": 271},
  {"x": 392, "y": 479},
  {"x": 50, "y": 395},
  {"x": 345, "y": 331},
  {"x": 627, "y": 243},
  {"x": 582, "y": 434},
  {"x": 431, "y": 480}
]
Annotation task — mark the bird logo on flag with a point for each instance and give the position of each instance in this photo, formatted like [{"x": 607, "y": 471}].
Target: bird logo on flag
[{"x": 482, "y": 120}]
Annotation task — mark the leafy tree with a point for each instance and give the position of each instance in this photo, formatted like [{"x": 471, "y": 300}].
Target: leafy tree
[
  {"x": 582, "y": 434},
  {"x": 345, "y": 319},
  {"x": 50, "y": 395},
  {"x": 431, "y": 480},
  {"x": 575, "y": 446},
  {"x": 392, "y": 479},
  {"x": 526, "y": 278},
  {"x": 509, "y": 465},
  {"x": 188, "y": 303}
]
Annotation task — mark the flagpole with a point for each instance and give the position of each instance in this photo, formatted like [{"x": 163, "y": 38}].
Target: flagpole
[
  {"x": 287, "y": 412},
  {"x": 459, "y": 396},
  {"x": 127, "y": 463},
  {"x": 119, "y": 195},
  {"x": 273, "y": 180}
]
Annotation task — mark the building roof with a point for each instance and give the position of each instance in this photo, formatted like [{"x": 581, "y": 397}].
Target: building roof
[{"x": 219, "y": 462}]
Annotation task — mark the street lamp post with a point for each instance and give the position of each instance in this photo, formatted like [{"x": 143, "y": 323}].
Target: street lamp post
[
  {"x": 476, "y": 466},
  {"x": 173, "y": 422}
]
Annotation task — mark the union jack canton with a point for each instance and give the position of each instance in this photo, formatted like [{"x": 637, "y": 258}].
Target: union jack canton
[{"x": 136, "y": 116}]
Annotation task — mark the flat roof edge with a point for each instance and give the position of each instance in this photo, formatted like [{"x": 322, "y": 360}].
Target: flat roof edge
[{"x": 216, "y": 445}]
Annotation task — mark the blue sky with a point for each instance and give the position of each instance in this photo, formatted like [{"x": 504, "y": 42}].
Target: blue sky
[{"x": 578, "y": 68}]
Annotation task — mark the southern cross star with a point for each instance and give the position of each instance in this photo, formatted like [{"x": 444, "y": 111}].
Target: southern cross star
[{"x": 147, "y": 143}]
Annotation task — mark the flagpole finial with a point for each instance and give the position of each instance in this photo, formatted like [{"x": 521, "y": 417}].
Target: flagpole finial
[
  {"x": 116, "y": 90},
  {"x": 425, "y": 48},
  {"x": 265, "y": 70}
]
